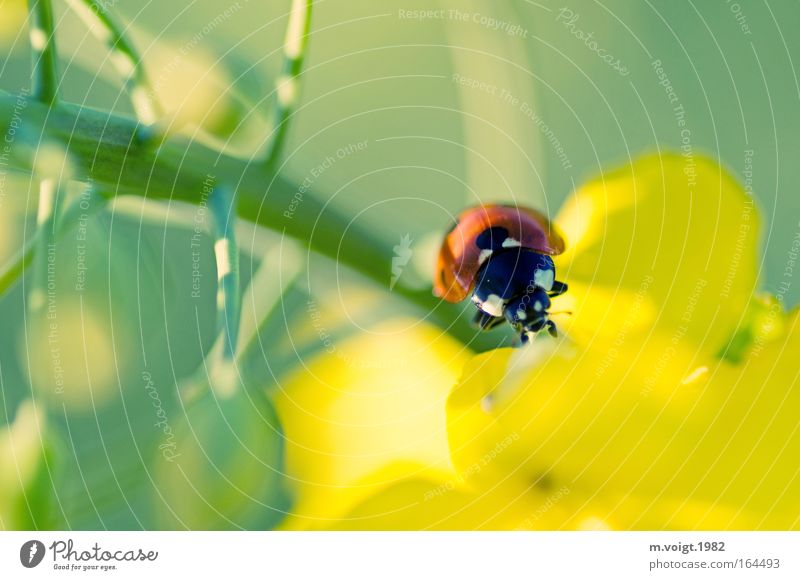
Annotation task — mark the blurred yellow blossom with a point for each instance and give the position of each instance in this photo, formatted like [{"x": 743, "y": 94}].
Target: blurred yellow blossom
[
  {"x": 14, "y": 12},
  {"x": 641, "y": 410},
  {"x": 69, "y": 353},
  {"x": 714, "y": 441},
  {"x": 669, "y": 402},
  {"x": 665, "y": 242},
  {"x": 365, "y": 413}
]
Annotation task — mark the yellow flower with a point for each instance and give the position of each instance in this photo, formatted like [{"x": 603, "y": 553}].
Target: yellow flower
[
  {"x": 644, "y": 415},
  {"x": 669, "y": 402},
  {"x": 668, "y": 243},
  {"x": 652, "y": 428},
  {"x": 364, "y": 414}
]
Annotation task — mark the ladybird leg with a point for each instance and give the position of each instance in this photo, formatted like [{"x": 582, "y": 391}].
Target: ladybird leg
[
  {"x": 495, "y": 321},
  {"x": 558, "y": 289},
  {"x": 551, "y": 328},
  {"x": 486, "y": 321}
]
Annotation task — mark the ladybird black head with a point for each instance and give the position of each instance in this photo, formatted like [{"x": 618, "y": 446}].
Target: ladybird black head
[{"x": 515, "y": 285}]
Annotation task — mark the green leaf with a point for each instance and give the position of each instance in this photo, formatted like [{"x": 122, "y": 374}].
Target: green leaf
[{"x": 222, "y": 468}]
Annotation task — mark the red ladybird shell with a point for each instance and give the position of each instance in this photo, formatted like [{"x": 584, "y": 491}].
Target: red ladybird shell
[{"x": 459, "y": 263}]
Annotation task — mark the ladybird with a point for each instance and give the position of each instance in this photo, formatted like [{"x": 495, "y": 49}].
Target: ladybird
[{"x": 502, "y": 255}]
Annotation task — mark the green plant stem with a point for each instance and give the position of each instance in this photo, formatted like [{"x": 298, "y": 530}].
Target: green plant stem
[
  {"x": 50, "y": 199},
  {"x": 43, "y": 51},
  {"x": 287, "y": 87},
  {"x": 124, "y": 57},
  {"x": 229, "y": 308},
  {"x": 11, "y": 271},
  {"x": 106, "y": 150}
]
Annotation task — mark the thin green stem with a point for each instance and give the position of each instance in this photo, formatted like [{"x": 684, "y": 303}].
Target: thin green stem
[
  {"x": 106, "y": 150},
  {"x": 222, "y": 372},
  {"x": 287, "y": 86},
  {"x": 222, "y": 204},
  {"x": 124, "y": 57},
  {"x": 43, "y": 50},
  {"x": 45, "y": 250},
  {"x": 14, "y": 268}
]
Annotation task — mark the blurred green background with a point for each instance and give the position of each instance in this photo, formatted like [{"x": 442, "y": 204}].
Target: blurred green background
[{"x": 466, "y": 101}]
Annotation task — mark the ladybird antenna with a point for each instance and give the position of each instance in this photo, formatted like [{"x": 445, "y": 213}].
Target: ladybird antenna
[{"x": 567, "y": 312}]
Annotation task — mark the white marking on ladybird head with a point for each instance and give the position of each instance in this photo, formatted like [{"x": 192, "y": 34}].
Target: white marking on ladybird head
[
  {"x": 537, "y": 306},
  {"x": 484, "y": 255},
  {"x": 511, "y": 243},
  {"x": 521, "y": 315},
  {"x": 544, "y": 279},
  {"x": 493, "y": 305}
]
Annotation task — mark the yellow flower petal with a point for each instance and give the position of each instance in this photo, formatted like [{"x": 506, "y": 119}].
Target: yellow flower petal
[
  {"x": 366, "y": 403},
  {"x": 654, "y": 421},
  {"x": 626, "y": 512},
  {"x": 419, "y": 503},
  {"x": 673, "y": 238}
]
